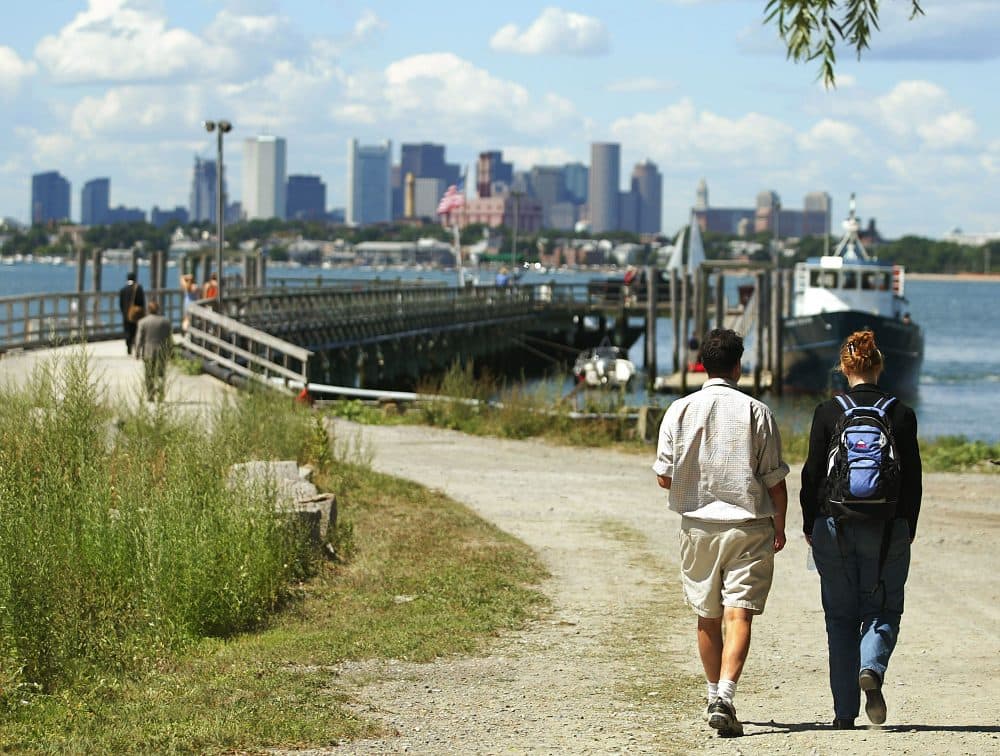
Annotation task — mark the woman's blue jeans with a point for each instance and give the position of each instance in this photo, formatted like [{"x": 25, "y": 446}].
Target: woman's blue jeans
[{"x": 862, "y": 610}]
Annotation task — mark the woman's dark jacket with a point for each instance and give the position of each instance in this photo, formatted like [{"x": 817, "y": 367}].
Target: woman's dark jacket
[{"x": 904, "y": 428}]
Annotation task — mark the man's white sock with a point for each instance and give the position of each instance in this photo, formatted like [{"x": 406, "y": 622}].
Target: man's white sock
[
  {"x": 713, "y": 690},
  {"x": 727, "y": 690}
]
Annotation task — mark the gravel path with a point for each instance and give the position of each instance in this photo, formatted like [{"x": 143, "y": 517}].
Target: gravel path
[{"x": 614, "y": 668}]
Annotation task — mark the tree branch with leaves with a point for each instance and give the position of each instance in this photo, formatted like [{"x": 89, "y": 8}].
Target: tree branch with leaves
[{"x": 811, "y": 29}]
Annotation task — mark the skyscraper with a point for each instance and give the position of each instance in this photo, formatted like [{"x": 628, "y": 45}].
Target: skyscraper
[
  {"x": 426, "y": 160},
  {"x": 49, "y": 197},
  {"x": 95, "y": 199},
  {"x": 369, "y": 195},
  {"x": 647, "y": 186},
  {"x": 264, "y": 178},
  {"x": 203, "y": 201},
  {"x": 491, "y": 170},
  {"x": 605, "y": 169},
  {"x": 577, "y": 177},
  {"x": 306, "y": 198}
]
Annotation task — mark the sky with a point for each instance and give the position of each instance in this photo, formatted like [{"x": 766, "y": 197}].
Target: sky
[{"x": 119, "y": 88}]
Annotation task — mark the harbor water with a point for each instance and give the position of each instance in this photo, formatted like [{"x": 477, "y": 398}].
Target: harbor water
[{"x": 959, "y": 384}]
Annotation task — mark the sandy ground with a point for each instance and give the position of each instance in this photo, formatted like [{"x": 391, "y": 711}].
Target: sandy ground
[{"x": 595, "y": 675}]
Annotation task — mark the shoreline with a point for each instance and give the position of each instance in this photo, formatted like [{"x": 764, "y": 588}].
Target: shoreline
[{"x": 980, "y": 277}]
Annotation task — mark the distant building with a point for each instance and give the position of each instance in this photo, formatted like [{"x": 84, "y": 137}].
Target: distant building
[
  {"x": 427, "y": 160},
  {"x": 548, "y": 186},
  {"x": 817, "y": 211},
  {"x": 49, "y": 197},
  {"x": 202, "y": 203},
  {"x": 492, "y": 172},
  {"x": 605, "y": 172},
  {"x": 95, "y": 199},
  {"x": 122, "y": 214},
  {"x": 501, "y": 210},
  {"x": 176, "y": 217},
  {"x": 306, "y": 198},
  {"x": 577, "y": 177},
  {"x": 369, "y": 196},
  {"x": 647, "y": 187},
  {"x": 265, "y": 179},
  {"x": 701, "y": 196},
  {"x": 767, "y": 217},
  {"x": 427, "y": 193},
  {"x": 628, "y": 212}
]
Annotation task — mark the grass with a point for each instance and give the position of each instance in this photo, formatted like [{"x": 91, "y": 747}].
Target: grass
[
  {"x": 488, "y": 407},
  {"x": 143, "y": 609}
]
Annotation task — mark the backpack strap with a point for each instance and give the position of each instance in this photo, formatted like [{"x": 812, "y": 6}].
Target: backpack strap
[
  {"x": 845, "y": 402},
  {"x": 884, "y": 403}
]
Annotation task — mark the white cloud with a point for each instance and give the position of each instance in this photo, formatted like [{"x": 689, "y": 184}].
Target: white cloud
[
  {"x": 923, "y": 111},
  {"x": 449, "y": 95},
  {"x": 640, "y": 84},
  {"x": 367, "y": 25},
  {"x": 114, "y": 41},
  {"x": 953, "y": 129},
  {"x": 525, "y": 157},
  {"x": 832, "y": 135},
  {"x": 555, "y": 31},
  {"x": 13, "y": 71}
]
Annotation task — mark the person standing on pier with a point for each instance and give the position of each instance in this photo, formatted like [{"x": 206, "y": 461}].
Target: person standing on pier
[
  {"x": 132, "y": 303},
  {"x": 861, "y": 538},
  {"x": 153, "y": 344},
  {"x": 719, "y": 456}
]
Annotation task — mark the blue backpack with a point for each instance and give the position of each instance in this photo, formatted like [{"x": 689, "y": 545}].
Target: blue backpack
[{"x": 863, "y": 470}]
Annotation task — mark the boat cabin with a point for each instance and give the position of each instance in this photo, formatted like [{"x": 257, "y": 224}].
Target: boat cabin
[{"x": 831, "y": 284}]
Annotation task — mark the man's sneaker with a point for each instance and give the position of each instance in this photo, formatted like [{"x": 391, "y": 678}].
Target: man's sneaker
[
  {"x": 871, "y": 684},
  {"x": 843, "y": 724},
  {"x": 722, "y": 717}
]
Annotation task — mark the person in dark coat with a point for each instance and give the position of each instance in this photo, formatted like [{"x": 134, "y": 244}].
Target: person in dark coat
[
  {"x": 863, "y": 563},
  {"x": 129, "y": 296}
]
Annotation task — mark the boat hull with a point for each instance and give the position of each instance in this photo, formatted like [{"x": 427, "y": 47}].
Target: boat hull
[{"x": 811, "y": 351}]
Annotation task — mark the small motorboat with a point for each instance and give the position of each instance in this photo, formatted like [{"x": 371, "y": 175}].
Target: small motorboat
[{"x": 603, "y": 365}]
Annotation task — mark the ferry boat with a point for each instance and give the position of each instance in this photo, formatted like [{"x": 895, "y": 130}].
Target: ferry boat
[{"x": 836, "y": 295}]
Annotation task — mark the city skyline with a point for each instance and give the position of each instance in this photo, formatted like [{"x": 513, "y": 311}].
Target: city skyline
[{"x": 118, "y": 89}]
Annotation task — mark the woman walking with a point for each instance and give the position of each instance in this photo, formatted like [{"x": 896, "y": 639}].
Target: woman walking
[{"x": 861, "y": 489}]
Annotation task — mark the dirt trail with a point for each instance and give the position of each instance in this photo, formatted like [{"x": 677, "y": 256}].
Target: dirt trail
[{"x": 593, "y": 676}]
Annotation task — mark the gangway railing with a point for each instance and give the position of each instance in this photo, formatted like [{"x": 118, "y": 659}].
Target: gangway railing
[{"x": 243, "y": 350}]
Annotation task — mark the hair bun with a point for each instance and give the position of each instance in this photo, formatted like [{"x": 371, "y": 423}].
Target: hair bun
[{"x": 860, "y": 354}]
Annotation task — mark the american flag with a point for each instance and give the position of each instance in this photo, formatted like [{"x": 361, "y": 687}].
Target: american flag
[{"x": 452, "y": 200}]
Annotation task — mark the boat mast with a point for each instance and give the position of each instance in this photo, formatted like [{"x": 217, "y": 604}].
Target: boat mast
[{"x": 850, "y": 247}]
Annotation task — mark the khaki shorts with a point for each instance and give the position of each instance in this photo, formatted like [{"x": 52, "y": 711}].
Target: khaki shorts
[{"x": 726, "y": 564}]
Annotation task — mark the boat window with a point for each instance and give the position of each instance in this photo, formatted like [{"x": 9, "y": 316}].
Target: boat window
[
  {"x": 875, "y": 280},
  {"x": 824, "y": 279},
  {"x": 849, "y": 280}
]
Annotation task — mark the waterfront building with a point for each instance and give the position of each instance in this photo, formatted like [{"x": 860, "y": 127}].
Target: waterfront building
[
  {"x": 95, "y": 200},
  {"x": 202, "y": 203},
  {"x": 49, "y": 197},
  {"x": 369, "y": 196},
  {"x": 306, "y": 198},
  {"x": 501, "y": 210},
  {"x": 176, "y": 217},
  {"x": 647, "y": 188},
  {"x": 265, "y": 179},
  {"x": 605, "y": 170}
]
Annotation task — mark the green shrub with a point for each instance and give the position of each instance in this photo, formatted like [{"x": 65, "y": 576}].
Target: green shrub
[{"x": 120, "y": 539}]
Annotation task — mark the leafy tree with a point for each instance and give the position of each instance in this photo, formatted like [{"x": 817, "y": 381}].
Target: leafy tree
[{"x": 811, "y": 29}]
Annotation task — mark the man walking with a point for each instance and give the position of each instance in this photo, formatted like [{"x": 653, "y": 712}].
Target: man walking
[
  {"x": 153, "y": 344},
  {"x": 132, "y": 303},
  {"x": 719, "y": 455}
]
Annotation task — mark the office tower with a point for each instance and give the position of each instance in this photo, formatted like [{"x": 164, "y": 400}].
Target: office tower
[
  {"x": 122, "y": 214},
  {"x": 647, "y": 186},
  {"x": 768, "y": 214},
  {"x": 369, "y": 195},
  {"x": 95, "y": 199},
  {"x": 49, "y": 197},
  {"x": 491, "y": 172},
  {"x": 605, "y": 168},
  {"x": 548, "y": 186},
  {"x": 817, "y": 209},
  {"x": 427, "y": 194},
  {"x": 264, "y": 178},
  {"x": 701, "y": 196},
  {"x": 427, "y": 161},
  {"x": 306, "y": 198},
  {"x": 577, "y": 177},
  {"x": 203, "y": 200},
  {"x": 628, "y": 212}
]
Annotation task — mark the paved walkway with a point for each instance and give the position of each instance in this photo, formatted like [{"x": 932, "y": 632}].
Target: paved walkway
[{"x": 118, "y": 373}]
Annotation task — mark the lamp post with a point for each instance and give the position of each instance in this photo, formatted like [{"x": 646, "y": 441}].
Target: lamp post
[{"x": 220, "y": 128}]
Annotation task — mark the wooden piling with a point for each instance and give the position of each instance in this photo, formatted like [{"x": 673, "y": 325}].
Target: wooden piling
[
  {"x": 95, "y": 270},
  {"x": 759, "y": 345},
  {"x": 675, "y": 320},
  {"x": 685, "y": 321},
  {"x": 777, "y": 331},
  {"x": 652, "y": 278},
  {"x": 720, "y": 300}
]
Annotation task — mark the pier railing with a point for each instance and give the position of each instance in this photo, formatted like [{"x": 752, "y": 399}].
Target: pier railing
[{"x": 30, "y": 321}]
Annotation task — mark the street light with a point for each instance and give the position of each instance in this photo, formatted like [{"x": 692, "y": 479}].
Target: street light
[{"x": 220, "y": 127}]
